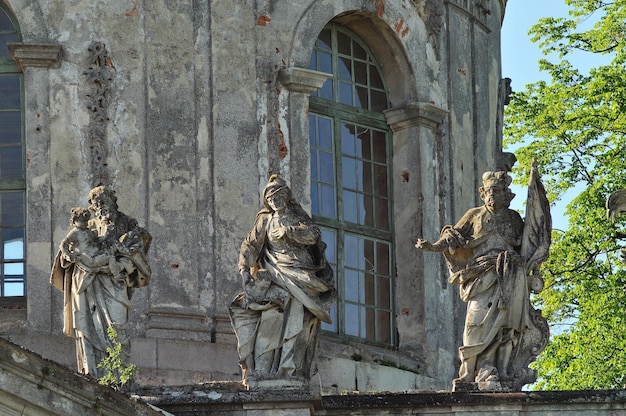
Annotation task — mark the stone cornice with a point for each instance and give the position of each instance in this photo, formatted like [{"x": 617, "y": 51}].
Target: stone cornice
[
  {"x": 414, "y": 114},
  {"x": 36, "y": 56},
  {"x": 302, "y": 80}
]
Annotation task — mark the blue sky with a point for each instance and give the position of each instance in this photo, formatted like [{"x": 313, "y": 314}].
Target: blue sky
[{"x": 520, "y": 59}]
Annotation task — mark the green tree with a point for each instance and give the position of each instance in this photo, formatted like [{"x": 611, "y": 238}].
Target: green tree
[{"x": 575, "y": 126}]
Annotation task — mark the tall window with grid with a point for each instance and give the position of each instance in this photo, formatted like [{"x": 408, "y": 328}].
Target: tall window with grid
[
  {"x": 350, "y": 184},
  {"x": 12, "y": 167}
]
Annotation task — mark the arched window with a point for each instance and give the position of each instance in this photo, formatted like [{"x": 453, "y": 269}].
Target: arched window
[
  {"x": 351, "y": 184},
  {"x": 12, "y": 166}
]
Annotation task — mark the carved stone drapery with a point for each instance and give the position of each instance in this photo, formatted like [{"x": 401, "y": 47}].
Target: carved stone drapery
[
  {"x": 36, "y": 56},
  {"x": 100, "y": 75}
]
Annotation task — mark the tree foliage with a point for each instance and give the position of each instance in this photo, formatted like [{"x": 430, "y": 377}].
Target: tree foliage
[{"x": 575, "y": 126}]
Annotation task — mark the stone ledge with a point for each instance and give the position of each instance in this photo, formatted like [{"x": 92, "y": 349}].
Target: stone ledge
[{"x": 36, "y": 56}]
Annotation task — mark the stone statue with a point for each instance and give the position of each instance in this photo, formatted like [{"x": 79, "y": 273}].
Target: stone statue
[
  {"x": 616, "y": 205},
  {"x": 99, "y": 263},
  {"x": 287, "y": 290},
  {"x": 494, "y": 256}
]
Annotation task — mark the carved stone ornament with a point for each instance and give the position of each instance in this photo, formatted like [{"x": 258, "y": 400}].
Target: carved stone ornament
[
  {"x": 100, "y": 75},
  {"x": 494, "y": 256},
  {"x": 36, "y": 56},
  {"x": 287, "y": 291},
  {"x": 99, "y": 264},
  {"x": 431, "y": 12},
  {"x": 411, "y": 114}
]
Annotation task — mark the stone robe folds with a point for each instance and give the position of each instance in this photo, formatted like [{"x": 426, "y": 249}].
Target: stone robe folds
[
  {"x": 492, "y": 278},
  {"x": 95, "y": 300},
  {"x": 277, "y": 317}
]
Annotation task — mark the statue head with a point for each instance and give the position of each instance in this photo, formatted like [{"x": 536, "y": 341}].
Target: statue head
[
  {"x": 103, "y": 202},
  {"x": 495, "y": 191},
  {"x": 79, "y": 217},
  {"x": 276, "y": 194}
]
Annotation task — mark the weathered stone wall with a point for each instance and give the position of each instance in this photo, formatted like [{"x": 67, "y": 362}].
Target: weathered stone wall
[{"x": 190, "y": 142}]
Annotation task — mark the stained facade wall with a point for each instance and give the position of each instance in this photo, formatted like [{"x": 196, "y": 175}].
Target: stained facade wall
[{"x": 190, "y": 141}]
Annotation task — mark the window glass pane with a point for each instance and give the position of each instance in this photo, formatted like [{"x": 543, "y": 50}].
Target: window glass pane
[
  {"x": 370, "y": 326},
  {"x": 326, "y": 91},
  {"x": 353, "y": 247},
  {"x": 347, "y": 139},
  {"x": 384, "y": 293},
  {"x": 313, "y": 65},
  {"x": 384, "y": 327},
  {"x": 343, "y": 43},
  {"x": 323, "y": 40},
  {"x": 367, "y": 178},
  {"x": 382, "y": 213},
  {"x": 360, "y": 72},
  {"x": 12, "y": 208},
  {"x": 13, "y": 269},
  {"x": 325, "y": 62},
  {"x": 10, "y": 97},
  {"x": 5, "y": 23},
  {"x": 325, "y": 133},
  {"x": 345, "y": 93},
  {"x": 351, "y": 285},
  {"x": 13, "y": 241},
  {"x": 315, "y": 202},
  {"x": 11, "y": 162},
  {"x": 361, "y": 97},
  {"x": 4, "y": 39},
  {"x": 350, "y": 207},
  {"x": 358, "y": 51},
  {"x": 327, "y": 203},
  {"x": 14, "y": 286},
  {"x": 344, "y": 70},
  {"x": 368, "y": 214},
  {"x": 326, "y": 167},
  {"x": 382, "y": 259},
  {"x": 369, "y": 292},
  {"x": 10, "y": 127},
  {"x": 349, "y": 176},
  {"x": 351, "y": 319},
  {"x": 380, "y": 177},
  {"x": 378, "y": 100},
  {"x": 380, "y": 146},
  {"x": 375, "y": 80}
]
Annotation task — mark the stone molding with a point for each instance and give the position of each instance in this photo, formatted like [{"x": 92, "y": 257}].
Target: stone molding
[
  {"x": 414, "y": 114},
  {"x": 36, "y": 55},
  {"x": 302, "y": 80}
]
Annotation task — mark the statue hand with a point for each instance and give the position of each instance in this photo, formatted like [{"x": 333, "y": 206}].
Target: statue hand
[{"x": 423, "y": 244}]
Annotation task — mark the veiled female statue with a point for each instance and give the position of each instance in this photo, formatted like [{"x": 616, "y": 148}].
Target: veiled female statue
[{"x": 287, "y": 290}]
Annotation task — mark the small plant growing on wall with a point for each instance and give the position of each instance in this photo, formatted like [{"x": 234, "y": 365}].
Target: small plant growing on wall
[{"x": 117, "y": 373}]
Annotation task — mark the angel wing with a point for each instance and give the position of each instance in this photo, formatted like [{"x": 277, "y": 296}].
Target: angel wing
[
  {"x": 616, "y": 204},
  {"x": 537, "y": 237}
]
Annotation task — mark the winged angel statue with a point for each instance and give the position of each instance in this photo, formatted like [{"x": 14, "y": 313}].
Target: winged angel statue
[{"x": 495, "y": 256}]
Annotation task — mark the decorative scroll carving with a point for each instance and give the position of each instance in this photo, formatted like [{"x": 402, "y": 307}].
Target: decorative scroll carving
[{"x": 100, "y": 74}]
